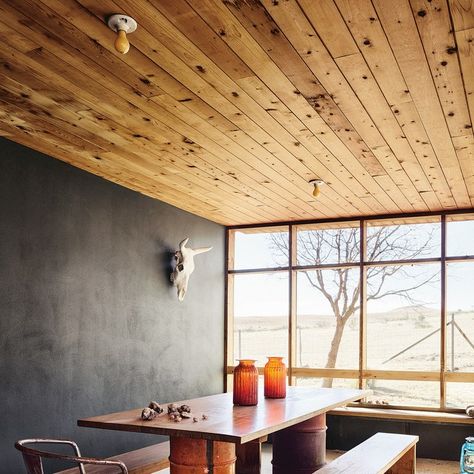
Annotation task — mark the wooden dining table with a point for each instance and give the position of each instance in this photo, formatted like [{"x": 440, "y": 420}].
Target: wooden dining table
[{"x": 226, "y": 439}]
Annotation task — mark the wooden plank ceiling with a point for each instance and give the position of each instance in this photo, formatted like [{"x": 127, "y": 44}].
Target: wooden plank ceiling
[{"x": 228, "y": 108}]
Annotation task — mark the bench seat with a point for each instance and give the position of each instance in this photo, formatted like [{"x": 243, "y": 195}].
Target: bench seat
[
  {"x": 383, "y": 452},
  {"x": 141, "y": 461},
  {"x": 404, "y": 415}
]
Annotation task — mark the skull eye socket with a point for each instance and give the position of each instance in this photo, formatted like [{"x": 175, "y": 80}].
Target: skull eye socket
[{"x": 180, "y": 267}]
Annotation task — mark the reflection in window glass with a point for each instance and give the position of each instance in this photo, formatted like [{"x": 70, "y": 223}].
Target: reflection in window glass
[
  {"x": 402, "y": 240},
  {"x": 459, "y": 235},
  {"x": 262, "y": 249},
  {"x": 328, "y": 318},
  {"x": 459, "y": 394},
  {"x": 460, "y": 317},
  {"x": 317, "y": 244},
  {"x": 261, "y": 316},
  {"x": 404, "y": 392},
  {"x": 403, "y": 317}
]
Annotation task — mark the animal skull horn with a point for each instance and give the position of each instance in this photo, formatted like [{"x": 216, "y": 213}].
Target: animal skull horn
[{"x": 184, "y": 266}]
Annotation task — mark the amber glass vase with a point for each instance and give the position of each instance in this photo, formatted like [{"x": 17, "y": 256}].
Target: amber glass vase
[
  {"x": 246, "y": 383},
  {"x": 275, "y": 378}
]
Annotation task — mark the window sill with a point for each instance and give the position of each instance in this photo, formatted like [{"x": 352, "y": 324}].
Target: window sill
[{"x": 406, "y": 415}]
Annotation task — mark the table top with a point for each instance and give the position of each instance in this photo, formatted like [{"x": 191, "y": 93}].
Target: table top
[{"x": 227, "y": 422}]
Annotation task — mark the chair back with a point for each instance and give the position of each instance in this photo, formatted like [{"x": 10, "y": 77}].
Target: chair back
[
  {"x": 33, "y": 463},
  {"x": 33, "y": 457}
]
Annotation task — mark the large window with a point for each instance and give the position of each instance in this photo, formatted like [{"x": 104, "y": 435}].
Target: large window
[{"x": 386, "y": 304}]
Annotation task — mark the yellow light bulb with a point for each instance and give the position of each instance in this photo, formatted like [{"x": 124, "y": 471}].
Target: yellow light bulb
[
  {"x": 316, "y": 190},
  {"x": 121, "y": 43}
]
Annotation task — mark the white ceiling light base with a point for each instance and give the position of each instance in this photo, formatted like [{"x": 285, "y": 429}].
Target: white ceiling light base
[
  {"x": 317, "y": 183},
  {"x": 121, "y": 22}
]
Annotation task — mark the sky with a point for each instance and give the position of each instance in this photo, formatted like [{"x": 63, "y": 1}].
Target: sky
[{"x": 267, "y": 294}]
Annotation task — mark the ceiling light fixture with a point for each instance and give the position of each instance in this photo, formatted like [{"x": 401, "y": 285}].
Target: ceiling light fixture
[
  {"x": 122, "y": 24},
  {"x": 317, "y": 183}
]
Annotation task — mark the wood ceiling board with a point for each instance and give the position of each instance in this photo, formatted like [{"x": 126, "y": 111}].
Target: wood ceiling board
[
  {"x": 131, "y": 142},
  {"x": 250, "y": 107},
  {"x": 462, "y": 13},
  {"x": 465, "y": 150},
  {"x": 214, "y": 112},
  {"x": 252, "y": 85},
  {"x": 400, "y": 28},
  {"x": 364, "y": 25},
  {"x": 267, "y": 34},
  {"x": 283, "y": 172},
  {"x": 359, "y": 76},
  {"x": 291, "y": 144},
  {"x": 58, "y": 145},
  {"x": 443, "y": 58},
  {"x": 48, "y": 145},
  {"x": 370, "y": 93},
  {"x": 465, "y": 47},
  {"x": 305, "y": 39},
  {"x": 255, "y": 54},
  {"x": 436, "y": 32},
  {"x": 154, "y": 132}
]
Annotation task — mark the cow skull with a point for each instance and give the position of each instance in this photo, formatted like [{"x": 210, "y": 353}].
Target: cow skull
[{"x": 184, "y": 266}]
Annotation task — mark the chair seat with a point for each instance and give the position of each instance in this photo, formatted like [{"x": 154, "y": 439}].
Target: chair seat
[{"x": 140, "y": 461}]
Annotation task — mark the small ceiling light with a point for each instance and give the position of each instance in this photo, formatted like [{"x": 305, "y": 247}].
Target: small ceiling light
[
  {"x": 317, "y": 183},
  {"x": 122, "y": 24}
]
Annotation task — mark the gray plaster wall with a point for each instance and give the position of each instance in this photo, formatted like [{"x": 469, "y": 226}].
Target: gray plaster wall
[{"x": 89, "y": 323}]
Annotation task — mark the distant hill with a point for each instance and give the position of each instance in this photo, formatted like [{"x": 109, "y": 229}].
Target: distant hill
[
  {"x": 406, "y": 312},
  {"x": 256, "y": 323}
]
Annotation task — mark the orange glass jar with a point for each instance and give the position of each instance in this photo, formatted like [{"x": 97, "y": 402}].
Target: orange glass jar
[
  {"x": 246, "y": 383},
  {"x": 275, "y": 378}
]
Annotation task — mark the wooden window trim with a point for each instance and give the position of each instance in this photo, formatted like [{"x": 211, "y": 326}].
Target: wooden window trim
[
  {"x": 363, "y": 374},
  {"x": 405, "y": 414}
]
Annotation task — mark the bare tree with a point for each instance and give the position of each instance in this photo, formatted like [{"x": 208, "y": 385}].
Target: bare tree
[{"x": 342, "y": 246}]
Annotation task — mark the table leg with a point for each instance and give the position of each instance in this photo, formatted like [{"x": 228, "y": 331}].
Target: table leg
[
  {"x": 199, "y": 456},
  {"x": 301, "y": 448},
  {"x": 249, "y": 457}
]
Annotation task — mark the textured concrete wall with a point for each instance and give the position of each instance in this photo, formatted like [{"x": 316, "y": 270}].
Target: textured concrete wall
[{"x": 89, "y": 323}]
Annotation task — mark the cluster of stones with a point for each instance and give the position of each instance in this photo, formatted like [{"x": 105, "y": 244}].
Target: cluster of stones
[
  {"x": 154, "y": 409},
  {"x": 378, "y": 402},
  {"x": 176, "y": 412}
]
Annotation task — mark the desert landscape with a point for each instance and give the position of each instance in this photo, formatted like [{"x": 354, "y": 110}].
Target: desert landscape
[{"x": 406, "y": 338}]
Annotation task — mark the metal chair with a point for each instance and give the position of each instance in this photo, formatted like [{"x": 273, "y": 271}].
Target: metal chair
[{"x": 32, "y": 457}]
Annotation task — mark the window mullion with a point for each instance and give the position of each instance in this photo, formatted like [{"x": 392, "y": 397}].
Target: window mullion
[
  {"x": 443, "y": 316},
  {"x": 363, "y": 304},
  {"x": 292, "y": 279},
  {"x": 229, "y": 305}
]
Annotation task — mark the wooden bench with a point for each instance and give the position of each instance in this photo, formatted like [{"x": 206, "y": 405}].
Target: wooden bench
[
  {"x": 383, "y": 452},
  {"x": 141, "y": 461},
  {"x": 404, "y": 415}
]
